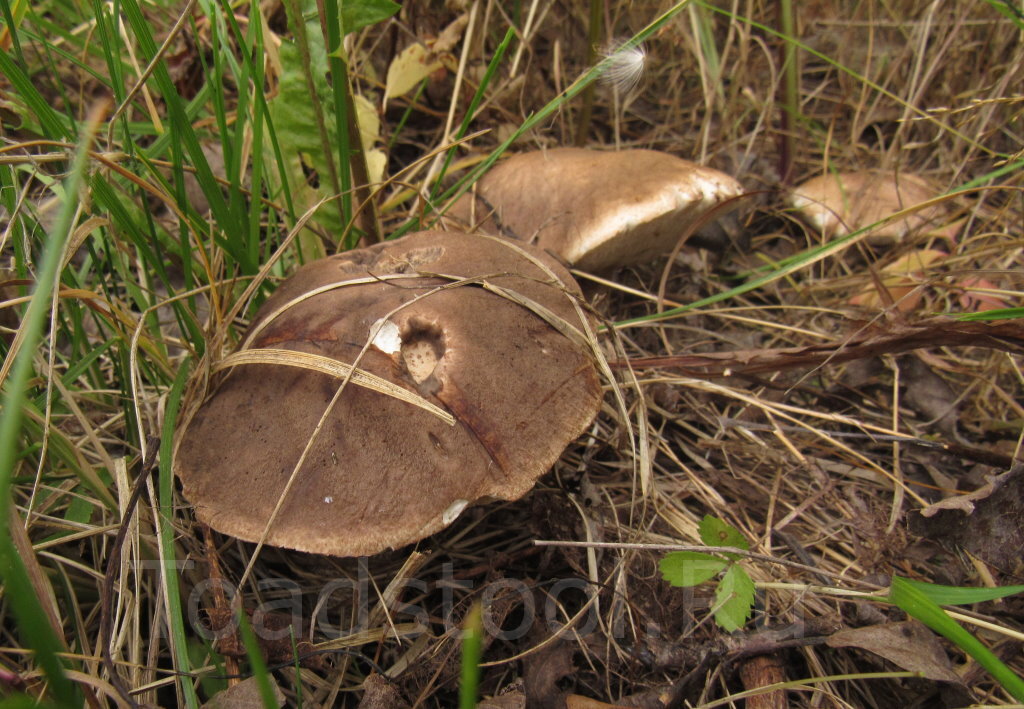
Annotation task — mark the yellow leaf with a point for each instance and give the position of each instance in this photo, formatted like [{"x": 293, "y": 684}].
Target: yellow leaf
[
  {"x": 410, "y": 67},
  {"x": 915, "y": 261},
  {"x": 368, "y": 120},
  {"x": 376, "y": 162}
]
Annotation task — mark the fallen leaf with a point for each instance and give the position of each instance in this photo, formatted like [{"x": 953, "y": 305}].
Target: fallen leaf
[
  {"x": 412, "y": 65},
  {"x": 902, "y": 280},
  {"x": 381, "y": 693},
  {"x": 244, "y": 695},
  {"x": 512, "y": 700},
  {"x": 908, "y": 645},
  {"x": 965, "y": 503},
  {"x": 975, "y": 297},
  {"x": 988, "y": 523},
  {"x": 929, "y": 394},
  {"x": 543, "y": 671}
]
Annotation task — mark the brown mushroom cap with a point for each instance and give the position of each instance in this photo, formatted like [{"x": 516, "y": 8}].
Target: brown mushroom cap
[
  {"x": 383, "y": 472},
  {"x": 839, "y": 204},
  {"x": 596, "y": 210}
]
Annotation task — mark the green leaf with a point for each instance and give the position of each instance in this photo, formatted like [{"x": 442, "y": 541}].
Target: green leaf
[
  {"x": 1005, "y": 8},
  {"x": 689, "y": 568},
  {"x": 256, "y": 661},
  {"x": 959, "y": 595},
  {"x": 909, "y": 596},
  {"x": 716, "y": 533},
  {"x": 23, "y": 701},
  {"x": 734, "y": 598},
  {"x": 357, "y": 14},
  {"x": 293, "y": 114},
  {"x": 1000, "y": 314},
  {"x": 472, "y": 650},
  {"x": 172, "y": 590}
]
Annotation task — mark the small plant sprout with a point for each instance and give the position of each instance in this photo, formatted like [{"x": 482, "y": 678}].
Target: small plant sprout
[
  {"x": 625, "y": 65},
  {"x": 734, "y": 596}
]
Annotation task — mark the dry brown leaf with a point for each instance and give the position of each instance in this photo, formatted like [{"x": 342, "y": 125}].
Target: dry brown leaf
[
  {"x": 381, "y": 693},
  {"x": 988, "y": 523},
  {"x": 909, "y": 645},
  {"x": 512, "y": 700},
  {"x": 976, "y": 296},
  {"x": 244, "y": 695},
  {"x": 1005, "y": 336},
  {"x": 965, "y": 503},
  {"x": 902, "y": 280},
  {"x": 542, "y": 672}
]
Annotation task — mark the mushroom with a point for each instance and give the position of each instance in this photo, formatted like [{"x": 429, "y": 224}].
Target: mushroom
[
  {"x": 472, "y": 373},
  {"x": 595, "y": 210},
  {"x": 839, "y": 204}
]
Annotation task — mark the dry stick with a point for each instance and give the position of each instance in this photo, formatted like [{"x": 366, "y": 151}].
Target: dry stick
[
  {"x": 978, "y": 455},
  {"x": 220, "y": 600},
  {"x": 933, "y": 332},
  {"x": 361, "y": 171},
  {"x": 113, "y": 563}
]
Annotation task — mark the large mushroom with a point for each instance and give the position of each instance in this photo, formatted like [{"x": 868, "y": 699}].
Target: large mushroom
[
  {"x": 839, "y": 204},
  {"x": 596, "y": 210},
  {"x": 477, "y": 375}
]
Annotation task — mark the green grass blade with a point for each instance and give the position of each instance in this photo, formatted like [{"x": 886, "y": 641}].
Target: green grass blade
[
  {"x": 179, "y": 637},
  {"x": 339, "y": 81},
  {"x": 1000, "y": 314},
  {"x": 915, "y": 602},
  {"x": 960, "y": 595},
  {"x": 492, "y": 67},
  {"x": 53, "y": 124},
  {"x": 472, "y": 649},
  {"x": 256, "y": 661},
  {"x": 1008, "y": 9},
  {"x": 790, "y": 265},
  {"x": 29, "y": 614},
  {"x": 229, "y": 221}
]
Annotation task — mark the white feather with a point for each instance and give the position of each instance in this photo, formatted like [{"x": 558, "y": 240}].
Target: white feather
[{"x": 625, "y": 66}]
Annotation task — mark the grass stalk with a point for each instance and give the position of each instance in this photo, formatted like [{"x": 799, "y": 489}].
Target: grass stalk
[
  {"x": 594, "y": 27},
  {"x": 790, "y": 115},
  {"x": 31, "y": 617}
]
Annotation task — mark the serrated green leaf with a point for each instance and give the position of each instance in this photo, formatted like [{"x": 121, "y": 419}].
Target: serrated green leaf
[
  {"x": 689, "y": 568},
  {"x": 734, "y": 598},
  {"x": 357, "y": 14},
  {"x": 716, "y": 533}
]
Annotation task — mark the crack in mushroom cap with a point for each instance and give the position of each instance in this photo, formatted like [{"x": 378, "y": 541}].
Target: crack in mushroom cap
[
  {"x": 384, "y": 473},
  {"x": 596, "y": 210},
  {"x": 839, "y": 204}
]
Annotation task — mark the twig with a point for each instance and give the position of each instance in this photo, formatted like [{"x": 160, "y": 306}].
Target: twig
[{"x": 113, "y": 563}]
